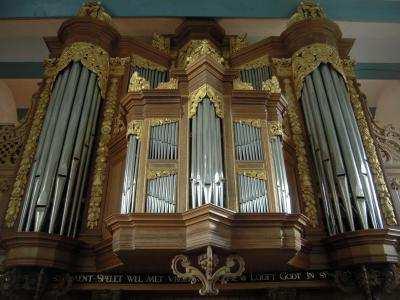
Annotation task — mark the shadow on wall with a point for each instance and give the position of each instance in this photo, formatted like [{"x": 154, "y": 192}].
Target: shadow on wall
[{"x": 8, "y": 109}]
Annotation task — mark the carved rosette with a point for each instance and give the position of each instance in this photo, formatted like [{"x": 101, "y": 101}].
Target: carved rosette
[
  {"x": 308, "y": 58},
  {"x": 242, "y": 86},
  {"x": 254, "y": 173},
  {"x": 100, "y": 165},
  {"x": 172, "y": 84},
  {"x": 271, "y": 86},
  {"x": 138, "y": 83},
  {"x": 21, "y": 179},
  {"x": 198, "y": 95},
  {"x": 207, "y": 272},
  {"x": 275, "y": 128},
  {"x": 195, "y": 49},
  {"x": 303, "y": 164},
  {"x": 371, "y": 151},
  {"x": 135, "y": 128},
  {"x": 161, "y": 172}
]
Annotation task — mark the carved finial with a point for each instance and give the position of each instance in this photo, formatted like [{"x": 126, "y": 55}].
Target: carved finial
[
  {"x": 242, "y": 86},
  {"x": 138, "y": 83},
  {"x": 307, "y": 10},
  {"x": 93, "y": 9},
  {"x": 161, "y": 43},
  {"x": 271, "y": 86},
  {"x": 238, "y": 42}
]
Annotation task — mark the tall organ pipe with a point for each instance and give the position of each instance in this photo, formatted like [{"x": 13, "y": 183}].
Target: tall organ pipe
[
  {"x": 343, "y": 171},
  {"x": 53, "y": 178},
  {"x": 130, "y": 177},
  {"x": 207, "y": 178}
]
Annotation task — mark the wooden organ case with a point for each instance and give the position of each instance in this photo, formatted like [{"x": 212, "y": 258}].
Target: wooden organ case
[{"x": 201, "y": 150}]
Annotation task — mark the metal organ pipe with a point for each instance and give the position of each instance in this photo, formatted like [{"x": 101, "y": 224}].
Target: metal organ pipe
[
  {"x": 247, "y": 142},
  {"x": 130, "y": 176},
  {"x": 61, "y": 161},
  {"x": 164, "y": 141},
  {"x": 161, "y": 196},
  {"x": 252, "y": 194},
  {"x": 343, "y": 171},
  {"x": 206, "y": 176}
]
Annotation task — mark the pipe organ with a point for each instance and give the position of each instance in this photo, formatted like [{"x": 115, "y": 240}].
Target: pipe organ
[{"x": 162, "y": 157}]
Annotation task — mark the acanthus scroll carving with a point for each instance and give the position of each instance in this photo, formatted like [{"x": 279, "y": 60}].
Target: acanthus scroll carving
[
  {"x": 207, "y": 273},
  {"x": 198, "y": 95}
]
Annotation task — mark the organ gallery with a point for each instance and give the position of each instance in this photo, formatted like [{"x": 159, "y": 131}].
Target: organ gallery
[{"x": 195, "y": 165}]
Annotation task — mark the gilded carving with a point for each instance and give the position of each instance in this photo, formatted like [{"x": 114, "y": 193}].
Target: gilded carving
[
  {"x": 348, "y": 67},
  {"x": 119, "y": 123},
  {"x": 207, "y": 272},
  {"x": 256, "y": 63},
  {"x": 252, "y": 122},
  {"x": 283, "y": 67},
  {"x": 271, "y": 86},
  {"x": 242, "y": 86},
  {"x": 135, "y": 128},
  {"x": 254, "y": 173},
  {"x": 91, "y": 56},
  {"x": 161, "y": 43},
  {"x": 371, "y": 151},
  {"x": 388, "y": 142},
  {"x": 161, "y": 121},
  {"x": 303, "y": 163},
  {"x": 141, "y": 62},
  {"x": 198, "y": 95},
  {"x": 275, "y": 128},
  {"x": 100, "y": 165},
  {"x": 172, "y": 84},
  {"x": 307, "y": 10},
  {"x": 308, "y": 58},
  {"x": 118, "y": 65},
  {"x": 93, "y": 9},
  {"x": 138, "y": 83},
  {"x": 194, "y": 50},
  {"x": 28, "y": 155},
  {"x": 238, "y": 42},
  {"x": 161, "y": 172}
]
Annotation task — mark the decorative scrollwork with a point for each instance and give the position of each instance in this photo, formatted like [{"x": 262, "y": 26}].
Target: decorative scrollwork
[
  {"x": 138, "y": 83},
  {"x": 208, "y": 277},
  {"x": 198, "y": 95},
  {"x": 252, "y": 122},
  {"x": 194, "y": 50},
  {"x": 93, "y": 9},
  {"x": 139, "y": 61},
  {"x": 303, "y": 163},
  {"x": 238, "y": 42},
  {"x": 254, "y": 173},
  {"x": 271, "y": 86},
  {"x": 161, "y": 43},
  {"x": 161, "y": 121},
  {"x": 371, "y": 151},
  {"x": 388, "y": 138},
  {"x": 275, "y": 128},
  {"x": 308, "y": 58},
  {"x": 135, "y": 128},
  {"x": 307, "y": 10},
  {"x": 28, "y": 154},
  {"x": 242, "y": 86},
  {"x": 283, "y": 67},
  {"x": 100, "y": 164},
  {"x": 161, "y": 172},
  {"x": 172, "y": 84},
  {"x": 262, "y": 61},
  {"x": 91, "y": 56},
  {"x": 348, "y": 67}
]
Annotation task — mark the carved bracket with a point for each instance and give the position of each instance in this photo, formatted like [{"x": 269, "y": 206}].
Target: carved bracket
[{"x": 208, "y": 262}]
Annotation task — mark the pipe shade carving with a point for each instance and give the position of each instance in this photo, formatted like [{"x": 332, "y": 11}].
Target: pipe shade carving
[
  {"x": 54, "y": 195},
  {"x": 206, "y": 158},
  {"x": 345, "y": 180},
  {"x": 212, "y": 94}
]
